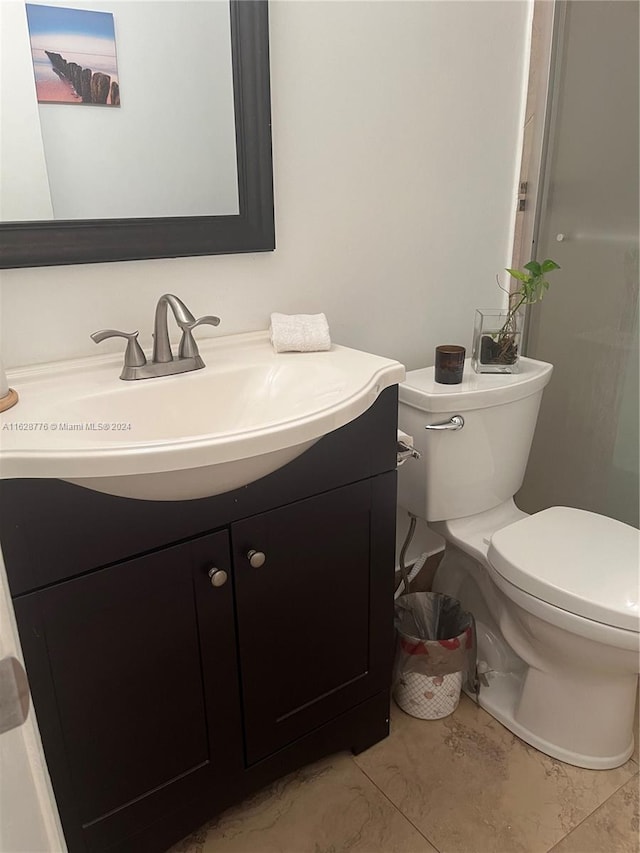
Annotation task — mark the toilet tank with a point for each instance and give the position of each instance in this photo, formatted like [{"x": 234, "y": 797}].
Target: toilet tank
[{"x": 478, "y": 467}]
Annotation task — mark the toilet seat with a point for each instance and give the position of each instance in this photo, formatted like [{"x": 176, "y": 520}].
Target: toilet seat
[{"x": 578, "y": 561}]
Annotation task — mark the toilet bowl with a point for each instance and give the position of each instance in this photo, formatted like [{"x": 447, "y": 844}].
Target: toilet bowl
[{"x": 554, "y": 594}]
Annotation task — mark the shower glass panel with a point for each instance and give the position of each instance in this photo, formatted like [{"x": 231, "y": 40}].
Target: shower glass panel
[{"x": 585, "y": 453}]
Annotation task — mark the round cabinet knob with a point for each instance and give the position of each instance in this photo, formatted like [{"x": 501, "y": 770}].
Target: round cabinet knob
[
  {"x": 560, "y": 238},
  {"x": 218, "y": 577},
  {"x": 256, "y": 559}
]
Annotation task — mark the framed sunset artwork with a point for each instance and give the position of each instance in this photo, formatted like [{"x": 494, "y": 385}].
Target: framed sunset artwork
[{"x": 74, "y": 56}]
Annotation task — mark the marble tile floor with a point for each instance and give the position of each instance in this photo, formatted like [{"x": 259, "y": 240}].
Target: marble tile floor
[{"x": 463, "y": 784}]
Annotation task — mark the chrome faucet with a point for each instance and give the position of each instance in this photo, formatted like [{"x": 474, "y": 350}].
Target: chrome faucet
[{"x": 163, "y": 362}]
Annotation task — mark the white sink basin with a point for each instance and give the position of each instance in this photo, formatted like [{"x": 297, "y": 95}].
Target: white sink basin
[{"x": 247, "y": 413}]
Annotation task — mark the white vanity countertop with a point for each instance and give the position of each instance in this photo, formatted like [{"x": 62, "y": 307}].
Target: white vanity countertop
[{"x": 78, "y": 419}]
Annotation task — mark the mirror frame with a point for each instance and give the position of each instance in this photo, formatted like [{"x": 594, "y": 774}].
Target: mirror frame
[{"x": 47, "y": 243}]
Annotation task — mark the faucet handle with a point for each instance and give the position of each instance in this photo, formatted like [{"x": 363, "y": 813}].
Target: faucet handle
[
  {"x": 188, "y": 346},
  {"x": 133, "y": 355}
]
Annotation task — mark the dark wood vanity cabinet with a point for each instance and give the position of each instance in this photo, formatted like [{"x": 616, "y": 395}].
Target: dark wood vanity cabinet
[
  {"x": 133, "y": 673},
  {"x": 163, "y": 698},
  {"x": 306, "y": 650}
]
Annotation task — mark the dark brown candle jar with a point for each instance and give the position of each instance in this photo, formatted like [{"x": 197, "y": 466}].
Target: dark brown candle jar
[{"x": 449, "y": 364}]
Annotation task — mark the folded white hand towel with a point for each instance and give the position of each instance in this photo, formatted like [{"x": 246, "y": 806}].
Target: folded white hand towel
[{"x": 299, "y": 332}]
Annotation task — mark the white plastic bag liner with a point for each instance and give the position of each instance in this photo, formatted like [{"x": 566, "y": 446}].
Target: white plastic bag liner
[{"x": 435, "y": 654}]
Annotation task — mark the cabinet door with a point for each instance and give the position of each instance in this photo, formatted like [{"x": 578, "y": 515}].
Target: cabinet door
[
  {"x": 315, "y": 621},
  {"x": 116, "y": 661}
]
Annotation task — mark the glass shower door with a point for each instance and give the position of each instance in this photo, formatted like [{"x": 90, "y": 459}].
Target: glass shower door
[{"x": 585, "y": 452}]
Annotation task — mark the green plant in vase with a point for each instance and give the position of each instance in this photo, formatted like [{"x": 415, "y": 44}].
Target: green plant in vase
[{"x": 501, "y": 347}]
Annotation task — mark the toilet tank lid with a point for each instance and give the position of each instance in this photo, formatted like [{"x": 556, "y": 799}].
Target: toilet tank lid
[
  {"x": 476, "y": 391},
  {"x": 585, "y": 563}
]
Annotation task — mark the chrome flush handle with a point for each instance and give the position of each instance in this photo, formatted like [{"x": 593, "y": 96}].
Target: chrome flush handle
[{"x": 455, "y": 422}]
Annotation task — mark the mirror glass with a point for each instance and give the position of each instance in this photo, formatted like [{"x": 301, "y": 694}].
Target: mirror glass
[
  {"x": 163, "y": 150},
  {"x": 168, "y": 150}
]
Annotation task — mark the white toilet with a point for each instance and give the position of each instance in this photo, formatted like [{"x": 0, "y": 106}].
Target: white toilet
[{"x": 555, "y": 594}]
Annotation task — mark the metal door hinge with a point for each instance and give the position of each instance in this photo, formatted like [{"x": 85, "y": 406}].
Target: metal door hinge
[{"x": 522, "y": 196}]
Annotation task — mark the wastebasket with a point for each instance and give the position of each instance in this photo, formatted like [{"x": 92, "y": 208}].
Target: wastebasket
[{"x": 435, "y": 654}]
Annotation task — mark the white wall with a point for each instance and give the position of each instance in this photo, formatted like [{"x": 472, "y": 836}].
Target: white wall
[{"x": 396, "y": 134}]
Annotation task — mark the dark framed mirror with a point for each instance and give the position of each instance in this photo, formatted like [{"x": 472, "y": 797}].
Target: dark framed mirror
[{"x": 251, "y": 229}]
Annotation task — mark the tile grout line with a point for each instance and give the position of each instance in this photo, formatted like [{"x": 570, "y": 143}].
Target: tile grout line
[
  {"x": 549, "y": 850},
  {"x": 597, "y": 808},
  {"x": 390, "y": 801}
]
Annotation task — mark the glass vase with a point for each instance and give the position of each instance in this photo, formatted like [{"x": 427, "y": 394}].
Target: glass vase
[{"x": 497, "y": 339}]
